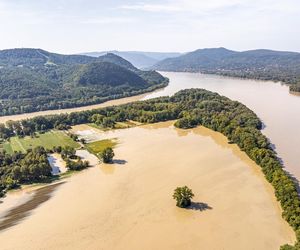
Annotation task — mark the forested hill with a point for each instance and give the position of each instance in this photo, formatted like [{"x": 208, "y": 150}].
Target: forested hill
[
  {"x": 39, "y": 57},
  {"x": 34, "y": 80},
  {"x": 139, "y": 59},
  {"x": 255, "y": 64}
]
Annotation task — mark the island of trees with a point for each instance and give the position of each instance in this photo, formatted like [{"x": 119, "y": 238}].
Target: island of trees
[
  {"x": 183, "y": 196},
  {"x": 107, "y": 155},
  {"x": 190, "y": 108}
]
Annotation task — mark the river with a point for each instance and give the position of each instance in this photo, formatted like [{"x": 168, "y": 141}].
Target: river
[{"x": 272, "y": 102}]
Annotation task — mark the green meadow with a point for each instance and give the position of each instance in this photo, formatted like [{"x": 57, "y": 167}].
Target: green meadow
[
  {"x": 98, "y": 146},
  {"x": 47, "y": 140}
]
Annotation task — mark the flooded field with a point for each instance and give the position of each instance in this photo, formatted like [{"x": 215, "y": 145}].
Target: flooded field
[
  {"x": 129, "y": 205},
  {"x": 272, "y": 102}
]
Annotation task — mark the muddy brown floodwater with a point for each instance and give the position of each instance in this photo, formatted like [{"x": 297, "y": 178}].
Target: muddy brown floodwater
[
  {"x": 129, "y": 205},
  {"x": 272, "y": 102}
]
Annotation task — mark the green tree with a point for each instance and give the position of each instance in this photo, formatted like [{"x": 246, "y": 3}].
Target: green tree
[
  {"x": 10, "y": 183},
  {"x": 107, "y": 155},
  {"x": 183, "y": 196},
  {"x": 108, "y": 122}
]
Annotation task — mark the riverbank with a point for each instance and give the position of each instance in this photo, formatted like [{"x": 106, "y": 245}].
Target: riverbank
[
  {"x": 4, "y": 119},
  {"x": 129, "y": 204}
]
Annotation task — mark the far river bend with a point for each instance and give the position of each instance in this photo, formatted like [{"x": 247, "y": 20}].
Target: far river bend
[{"x": 277, "y": 108}]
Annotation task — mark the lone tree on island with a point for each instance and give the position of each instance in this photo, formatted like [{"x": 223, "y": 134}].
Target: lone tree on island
[
  {"x": 183, "y": 196},
  {"x": 107, "y": 155}
]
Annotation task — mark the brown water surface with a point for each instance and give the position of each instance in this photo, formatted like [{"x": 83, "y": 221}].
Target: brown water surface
[
  {"x": 129, "y": 205},
  {"x": 272, "y": 102}
]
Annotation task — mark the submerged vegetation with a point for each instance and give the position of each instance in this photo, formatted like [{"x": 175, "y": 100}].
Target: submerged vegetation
[
  {"x": 107, "y": 155},
  {"x": 190, "y": 108},
  {"x": 183, "y": 196}
]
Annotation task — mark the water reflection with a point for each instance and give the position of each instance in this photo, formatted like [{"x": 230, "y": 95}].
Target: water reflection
[{"x": 108, "y": 169}]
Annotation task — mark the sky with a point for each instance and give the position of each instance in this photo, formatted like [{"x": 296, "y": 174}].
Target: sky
[{"x": 73, "y": 26}]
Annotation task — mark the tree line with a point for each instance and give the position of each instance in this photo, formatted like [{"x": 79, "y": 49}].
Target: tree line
[
  {"x": 20, "y": 168},
  {"x": 295, "y": 87},
  {"x": 33, "y": 166}
]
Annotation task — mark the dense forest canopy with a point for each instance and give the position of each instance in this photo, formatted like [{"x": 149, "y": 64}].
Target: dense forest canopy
[
  {"x": 254, "y": 64},
  {"x": 34, "y": 80},
  {"x": 23, "y": 168}
]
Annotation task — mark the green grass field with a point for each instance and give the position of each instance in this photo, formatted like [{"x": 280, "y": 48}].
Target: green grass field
[
  {"x": 98, "y": 146},
  {"x": 47, "y": 140}
]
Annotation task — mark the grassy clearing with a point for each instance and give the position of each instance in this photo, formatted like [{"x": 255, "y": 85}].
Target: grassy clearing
[
  {"x": 98, "y": 146},
  {"x": 47, "y": 140}
]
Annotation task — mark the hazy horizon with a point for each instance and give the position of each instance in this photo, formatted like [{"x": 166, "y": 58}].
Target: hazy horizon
[
  {"x": 78, "y": 26},
  {"x": 142, "y": 51}
]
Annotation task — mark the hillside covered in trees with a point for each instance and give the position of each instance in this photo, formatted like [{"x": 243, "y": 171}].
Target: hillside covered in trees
[
  {"x": 139, "y": 59},
  {"x": 254, "y": 64},
  {"x": 34, "y": 80}
]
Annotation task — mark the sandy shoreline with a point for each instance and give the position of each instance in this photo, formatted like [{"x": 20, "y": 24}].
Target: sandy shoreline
[
  {"x": 120, "y": 101},
  {"x": 130, "y": 205}
]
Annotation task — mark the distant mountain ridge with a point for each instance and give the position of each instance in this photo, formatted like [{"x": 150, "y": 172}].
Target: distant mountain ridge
[
  {"x": 256, "y": 64},
  {"x": 139, "y": 59},
  {"x": 35, "y": 79}
]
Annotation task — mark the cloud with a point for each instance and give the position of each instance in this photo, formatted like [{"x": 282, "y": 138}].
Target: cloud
[
  {"x": 152, "y": 7},
  {"x": 108, "y": 20},
  {"x": 183, "y": 5},
  {"x": 207, "y": 6},
  {"x": 149, "y": 24}
]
